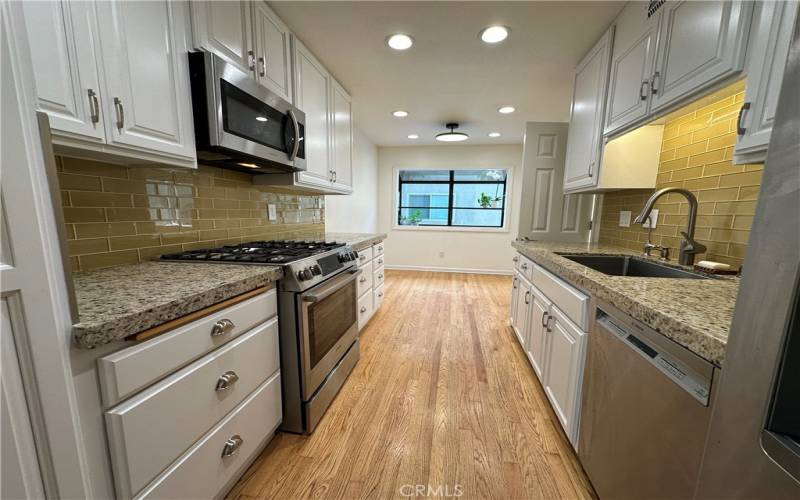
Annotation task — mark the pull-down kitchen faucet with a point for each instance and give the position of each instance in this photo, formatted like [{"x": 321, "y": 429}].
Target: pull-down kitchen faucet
[{"x": 689, "y": 247}]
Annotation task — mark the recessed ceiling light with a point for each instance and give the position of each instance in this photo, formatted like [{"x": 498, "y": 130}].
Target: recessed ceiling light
[
  {"x": 506, "y": 110},
  {"x": 494, "y": 134},
  {"x": 452, "y": 136},
  {"x": 261, "y": 118},
  {"x": 494, "y": 34},
  {"x": 400, "y": 113},
  {"x": 400, "y": 41},
  {"x": 413, "y": 136}
]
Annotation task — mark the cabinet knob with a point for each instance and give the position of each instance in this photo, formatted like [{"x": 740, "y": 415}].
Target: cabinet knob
[
  {"x": 222, "y": 327},
  {"x": 363, "y": 309},
  {"x": 232, "y": 446},
  {"x": 363, "y": 279},
  {"x": 380, "y": 294},
  {"x": 226, "y": 380},
  {"x": 380, "y": 276},
  {"x": 524, "y": 265}
]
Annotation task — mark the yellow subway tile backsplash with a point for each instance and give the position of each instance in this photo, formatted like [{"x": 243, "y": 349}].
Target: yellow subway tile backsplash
[
  {"x": 116, "y": 215},
  {"x": 696, "y": 154}
]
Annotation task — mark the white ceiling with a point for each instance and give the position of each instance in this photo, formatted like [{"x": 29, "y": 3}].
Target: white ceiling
[{"x": 449, "y": 74}]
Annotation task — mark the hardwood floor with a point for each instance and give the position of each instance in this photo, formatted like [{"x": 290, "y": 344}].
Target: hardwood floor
[{"x": 442, "y": 397}]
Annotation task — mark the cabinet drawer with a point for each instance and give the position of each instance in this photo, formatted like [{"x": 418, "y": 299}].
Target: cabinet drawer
[
  {"x": 202, "y": 472},
  {"x": 573, "y": 303},
  {"x": 365, "y": 308},
  {"x": 150, "y": 430},
  {"x": 378, "y": 279},
  {"x": 130, "y": 370},
  {"x": 377, "y": 249},
  {"x": 364, "y": 255},
  {"x": 377, "y": 298},
  {"x": 378, "y": 261},
  {"x": 365, "y": 280},
  {"x": 526, "y": 267}
]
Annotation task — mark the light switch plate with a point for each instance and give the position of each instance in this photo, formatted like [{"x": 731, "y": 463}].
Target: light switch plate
[
  {"x": 653, "y": 218},
  {"x": 624, "y": 218},
  {"x": 273, "y": 211}
]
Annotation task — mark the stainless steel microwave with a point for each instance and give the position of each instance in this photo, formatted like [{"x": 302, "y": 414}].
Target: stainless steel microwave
[{"x": 239, "y": 123}]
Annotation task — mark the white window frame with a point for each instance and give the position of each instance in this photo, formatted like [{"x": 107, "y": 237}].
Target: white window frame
[{"x": 506, "y": 207}]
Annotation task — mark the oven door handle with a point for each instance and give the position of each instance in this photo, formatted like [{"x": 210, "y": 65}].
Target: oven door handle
[
  {"x": 333, "y": 286},
  {"x": 296, "y": 127}
]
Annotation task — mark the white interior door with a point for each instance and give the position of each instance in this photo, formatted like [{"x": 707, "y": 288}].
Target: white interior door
[{"x": 547, "y": 214}]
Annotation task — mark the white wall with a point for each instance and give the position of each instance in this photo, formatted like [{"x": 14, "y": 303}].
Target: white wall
[
  {"x": 462, "y": 250},
  {"x": 355, "y": 213}
]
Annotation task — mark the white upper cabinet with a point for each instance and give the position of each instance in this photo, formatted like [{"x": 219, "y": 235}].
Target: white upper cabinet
[
  {"x": 61, "y": 38},
  {"x": 146, "y": 69},
  {"x": 699, "y": 44},
  {"x": 342, "y": 137},
  {"x": 273, "y": 51},
  {"x": 584, "y": 143},
  {"x": 113, "y": 78},
  {"x": 312, "y": 95},
  {"x": 631, "y": 66},
  {"x": 768, "y": 48},
  {"x": 225, "y": 28},
  {"x": 670, "y": 55}
]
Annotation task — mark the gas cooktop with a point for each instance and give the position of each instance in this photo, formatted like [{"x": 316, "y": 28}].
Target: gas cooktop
[{"x": 256, "y": 252}]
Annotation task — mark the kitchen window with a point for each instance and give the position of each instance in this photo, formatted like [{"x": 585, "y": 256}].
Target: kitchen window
[{"x": 468, "y": 198}]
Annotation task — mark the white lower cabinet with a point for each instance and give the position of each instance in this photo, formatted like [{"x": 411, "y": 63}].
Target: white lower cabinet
[
  {"x": 370, "y": 283},
  {"x": 553, "y": 340},
  {"x": 365, "y": 309},
  {"x": 195, "y": 427}
]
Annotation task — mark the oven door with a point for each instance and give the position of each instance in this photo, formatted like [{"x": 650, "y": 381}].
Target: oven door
[{"x": 328, "y": 326}]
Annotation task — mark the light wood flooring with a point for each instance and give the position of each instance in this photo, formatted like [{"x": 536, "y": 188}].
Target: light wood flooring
[{"x": 443, "y": 396}]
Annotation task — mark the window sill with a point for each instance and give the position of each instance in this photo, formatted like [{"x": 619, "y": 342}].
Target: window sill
[{"x": 454, "y": 229}]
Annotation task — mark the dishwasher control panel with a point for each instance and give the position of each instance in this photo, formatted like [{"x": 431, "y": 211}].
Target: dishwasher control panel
[{"x": 693, "y": 383}]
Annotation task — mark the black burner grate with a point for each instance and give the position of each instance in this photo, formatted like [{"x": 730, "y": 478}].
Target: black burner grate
[{"x": 261, "y": 252}]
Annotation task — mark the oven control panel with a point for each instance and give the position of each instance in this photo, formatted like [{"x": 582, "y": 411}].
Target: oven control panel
[{"x": 304, "y": 274}]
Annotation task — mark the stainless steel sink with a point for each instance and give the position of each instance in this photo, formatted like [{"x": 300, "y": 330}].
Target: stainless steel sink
[{"x": 625, "y": 265}]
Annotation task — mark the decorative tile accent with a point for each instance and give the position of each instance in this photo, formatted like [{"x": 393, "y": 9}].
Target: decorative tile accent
[
  {"x": 696, "y": 155},
  {"x": 119, "y": 215}
]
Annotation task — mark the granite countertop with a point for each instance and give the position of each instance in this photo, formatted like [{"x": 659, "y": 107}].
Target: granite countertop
[
  {"x": 694, "y": 313},
  {"x": 119, "y": 301},
  {"x": 358, "y": 241}
]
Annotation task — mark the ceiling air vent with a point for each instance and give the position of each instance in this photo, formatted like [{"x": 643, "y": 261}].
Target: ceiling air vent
[{"x": 653, "y": 7}]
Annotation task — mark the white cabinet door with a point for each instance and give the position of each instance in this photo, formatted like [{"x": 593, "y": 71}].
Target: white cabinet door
[
  {"x": 62, "y": 36},
  {"x": 342, "y": 137},
  {"x": 148, "y": 99},
  {"x": 312, "y": 95},
  {"x": 768, "y": 48},
  {"x": 540, "y": 310},
  {"x": 631, "y": 66},
  {"x": 585, "y": 140},
  {"x": 699, "y": 43},
  {"x": 225, "y": 28},
  {"x": 514, "y": 296},
  {"x": 273, "y": 51},
  {"x": 523, "y": 312},
  {"x": 563, "y": 373}
]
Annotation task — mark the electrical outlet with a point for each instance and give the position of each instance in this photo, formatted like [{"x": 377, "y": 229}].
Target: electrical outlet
[
  {"x": 272, "y": 209},
  {"x": 441, "y": 255},
  {"x": 624, "y": 218},
  {"x": 653, "y": 218}
]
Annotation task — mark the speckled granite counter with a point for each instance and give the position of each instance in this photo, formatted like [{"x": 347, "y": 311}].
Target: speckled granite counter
[
  {"x": 694, "y": 313},
  {"x": 358, "y": 241},
  {"x": 117, "y": 302}
]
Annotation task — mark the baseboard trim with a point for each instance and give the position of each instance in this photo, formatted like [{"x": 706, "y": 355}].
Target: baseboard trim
[{"x": 462, "y": 270}]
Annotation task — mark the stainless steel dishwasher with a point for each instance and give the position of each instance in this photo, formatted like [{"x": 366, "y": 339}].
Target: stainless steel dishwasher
[{"x": 645, "y": 411}]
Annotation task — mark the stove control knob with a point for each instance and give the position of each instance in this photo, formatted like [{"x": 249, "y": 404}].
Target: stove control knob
[
  {"x": 342, "y": 257},
  {"x": 316, "y": 270},
  {"x": 353, "y": 256},
  {"x": 305, "y": 274}
]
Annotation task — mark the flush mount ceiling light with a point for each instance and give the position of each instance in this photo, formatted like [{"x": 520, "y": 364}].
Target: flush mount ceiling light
[
  {"x": 399, "y": 41},
  {"x": 494, "y": 134},
  {"x": 413, "y": 136},
  {"x": 494, "y": 34},
  {"x": 452, "y": 136},
  {"x": 399, "y": 113},
  {"x": 506, "y": 110}
]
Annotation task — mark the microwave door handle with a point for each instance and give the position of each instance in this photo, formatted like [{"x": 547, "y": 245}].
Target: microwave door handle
[
  {"x": 296, "y": 126},
  {"x": 331, "y": 288}
]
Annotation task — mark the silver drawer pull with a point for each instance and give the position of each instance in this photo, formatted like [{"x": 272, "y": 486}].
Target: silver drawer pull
[
  {"x": 363, "y": 309},
  {"x": 222, "y": 327},
  {"x": 515, "y": 259},
  {"x": 94, "y": 106},
  {"x": 232, "y": 446},
  {"x": 263, "y": 65},
  {"x": 363, "y": 279},
  {"x": 380, "y": 261},
  {"x": 362, "y": 257},
  {"x": 380, "y": 276},
  {"x": 226, "y": 380},
  {"x": 380, "y": 294},
  {"x": 120, "y": 113},
  {"x": 524, "y": 265},
  {"x": 380, "y": 249},
  {"x": 545, "y": 319}
]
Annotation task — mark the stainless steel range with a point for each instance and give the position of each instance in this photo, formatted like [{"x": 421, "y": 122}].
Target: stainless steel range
[{"x": 318, "y": 318}]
